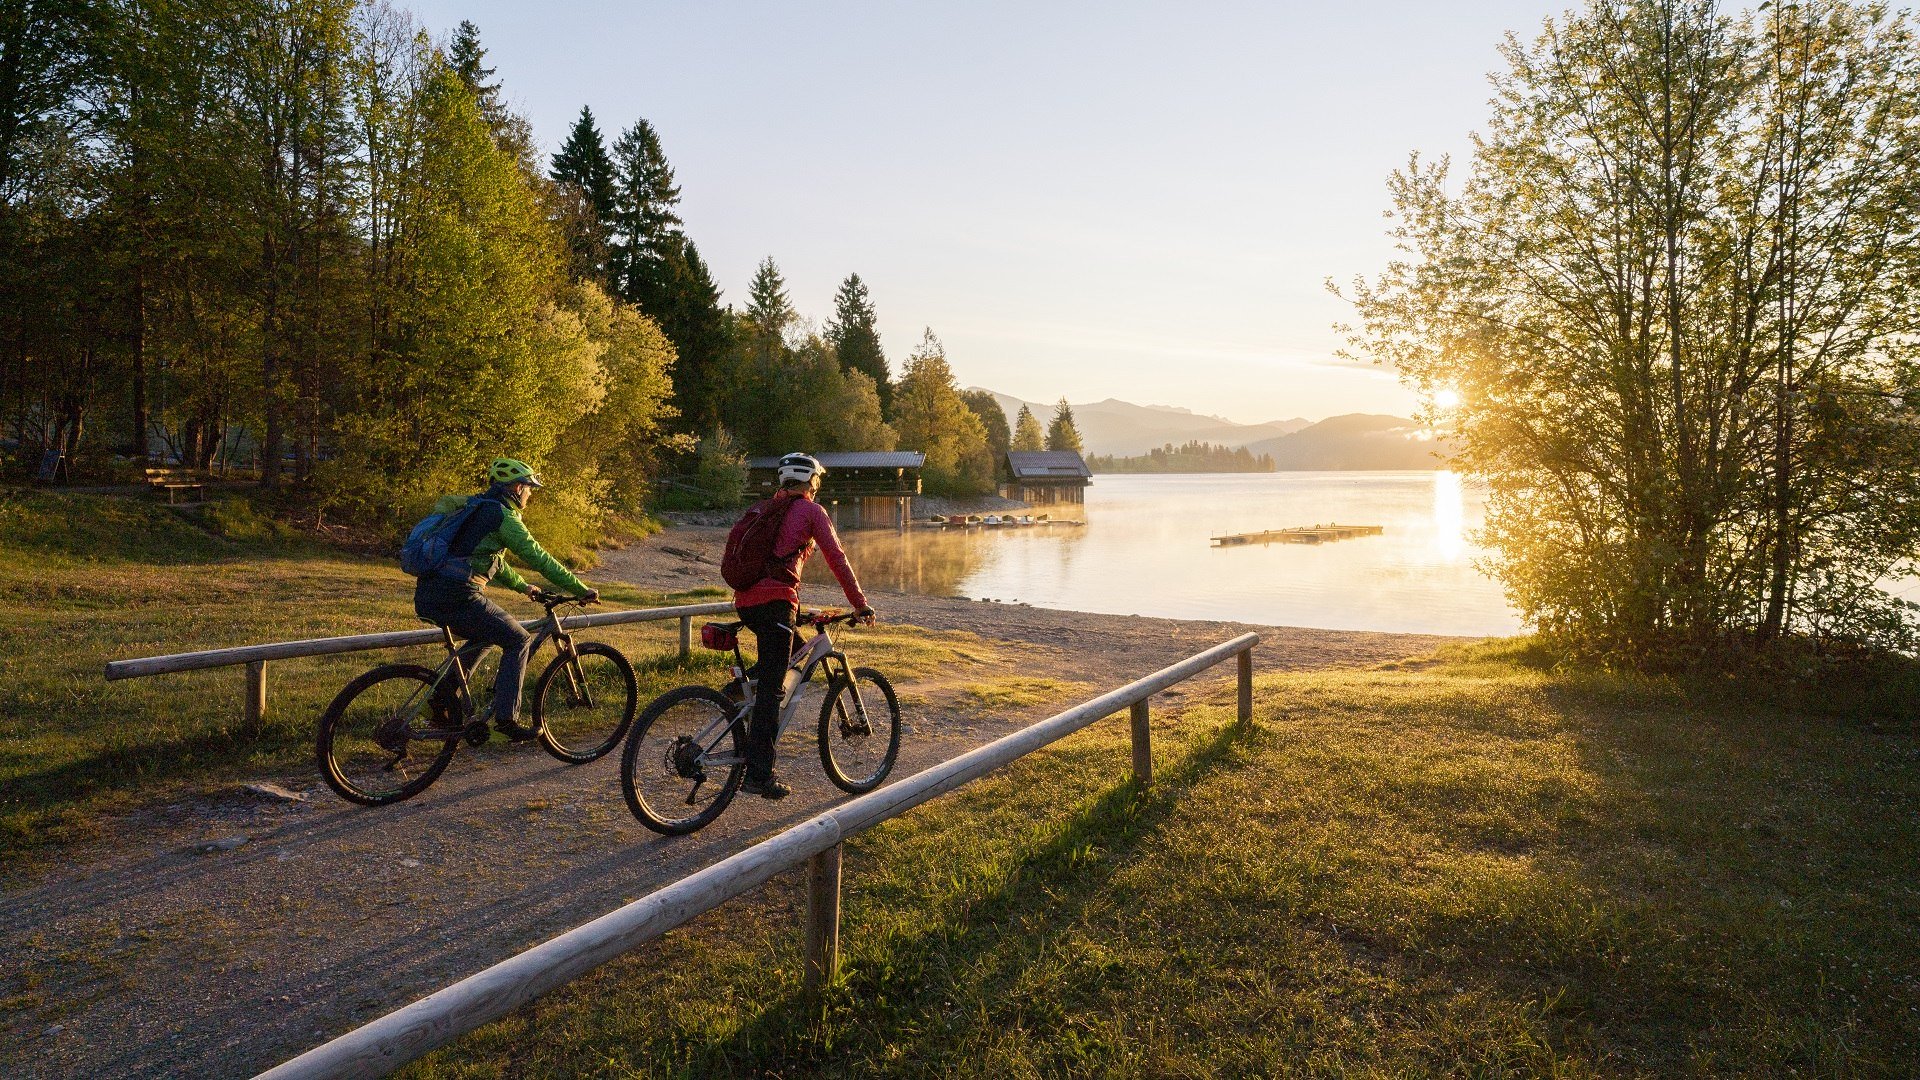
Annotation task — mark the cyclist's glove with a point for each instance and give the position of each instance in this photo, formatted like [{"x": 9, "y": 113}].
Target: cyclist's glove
[
  {"x": 865, "y": 615},
  {"x": 591, "y": 596}
]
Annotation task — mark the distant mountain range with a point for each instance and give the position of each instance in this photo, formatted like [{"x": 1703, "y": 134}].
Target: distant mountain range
[{"x": 1353, "y": 441}]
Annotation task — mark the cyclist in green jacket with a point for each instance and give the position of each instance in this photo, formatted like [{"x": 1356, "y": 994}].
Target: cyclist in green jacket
[{"x": 477, "y": 558}]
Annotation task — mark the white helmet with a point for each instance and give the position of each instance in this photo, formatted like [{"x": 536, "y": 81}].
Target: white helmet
[{"x": 801, "y": 467}]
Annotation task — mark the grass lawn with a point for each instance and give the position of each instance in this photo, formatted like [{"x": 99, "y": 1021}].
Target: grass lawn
[{"x": 1475, "y": 865}]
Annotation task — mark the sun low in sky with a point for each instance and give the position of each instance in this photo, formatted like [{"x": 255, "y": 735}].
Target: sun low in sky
[{"x": 1085, "y": 199}]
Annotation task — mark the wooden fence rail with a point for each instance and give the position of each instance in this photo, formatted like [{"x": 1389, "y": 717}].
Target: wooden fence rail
[
  {"x": 255, "y": 657},
  {"x": 411, "y": 1032}
]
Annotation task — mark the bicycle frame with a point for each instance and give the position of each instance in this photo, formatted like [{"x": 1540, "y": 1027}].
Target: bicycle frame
[
  {"x": 809, "y": 658},
  {"x": 554, "y": 629}
]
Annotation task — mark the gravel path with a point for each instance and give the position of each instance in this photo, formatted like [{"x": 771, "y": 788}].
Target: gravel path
[{"x": 216, "y": 937}]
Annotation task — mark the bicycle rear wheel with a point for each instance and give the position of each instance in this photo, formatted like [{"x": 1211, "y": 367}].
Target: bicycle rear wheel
[
  {"x": 584, "y": 703},
  {"x": 368, "y": 746},
  {"x": 684, "y": 760},
  {"x": 859, "y": 731}
]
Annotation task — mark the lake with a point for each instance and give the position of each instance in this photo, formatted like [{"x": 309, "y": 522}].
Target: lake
[{"x": 1145, "y": 550}]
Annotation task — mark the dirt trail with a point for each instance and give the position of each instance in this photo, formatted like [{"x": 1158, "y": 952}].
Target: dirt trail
[{"x": 178, "y": 948}]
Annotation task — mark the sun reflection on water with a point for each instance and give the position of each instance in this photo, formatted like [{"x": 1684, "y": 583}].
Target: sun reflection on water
[{"x": 1449, "y": 517}]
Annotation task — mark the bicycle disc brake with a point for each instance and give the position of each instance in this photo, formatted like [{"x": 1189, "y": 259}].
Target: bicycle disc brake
[
  {"x": 683, "y": 757},
  {"x": 391, "y": 735}
]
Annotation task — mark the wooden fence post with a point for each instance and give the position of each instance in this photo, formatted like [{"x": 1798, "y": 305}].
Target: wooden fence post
[
  {"x": 1246, "y": 686},
  {"x": 823, "y": 921},
  {"x": 686, "y": 637},
  {"x": 255, "y": 711},
  {"x": 1142, "y": 745}
]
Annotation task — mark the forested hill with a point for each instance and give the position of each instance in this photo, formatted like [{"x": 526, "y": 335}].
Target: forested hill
[
  {"x": 1192, "y": 457},
  {"x": 1123, "y": 428},
  {"x": 1356, "y": 441}
]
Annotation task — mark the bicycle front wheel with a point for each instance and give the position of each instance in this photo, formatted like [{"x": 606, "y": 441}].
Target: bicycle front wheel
[
  {"x": 859, "y": 731},
  {"x": 684, "y": 760},
  {"x": 369, "y": 746},
  {"x": 584, "y": 703}
]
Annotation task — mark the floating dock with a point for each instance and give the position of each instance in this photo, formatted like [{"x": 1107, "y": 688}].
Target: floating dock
[{"x": 1303, "y": 534}]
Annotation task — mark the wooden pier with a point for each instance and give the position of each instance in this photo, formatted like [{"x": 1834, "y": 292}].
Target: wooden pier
[{"x": 1303, "y": 534}]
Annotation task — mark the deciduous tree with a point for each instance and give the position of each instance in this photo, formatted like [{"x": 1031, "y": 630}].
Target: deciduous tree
[{"x": 1675, "y": 295}]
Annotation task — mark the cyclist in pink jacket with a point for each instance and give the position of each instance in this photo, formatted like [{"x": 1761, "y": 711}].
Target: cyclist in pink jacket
[{"x": 769, "y": 607}]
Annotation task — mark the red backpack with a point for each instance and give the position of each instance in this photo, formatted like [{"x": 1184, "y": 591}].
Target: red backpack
[{"x": 750, "y": 557}]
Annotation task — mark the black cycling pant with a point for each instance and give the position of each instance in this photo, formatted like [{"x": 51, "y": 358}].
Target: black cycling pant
[{"x": 776, "y": 640}]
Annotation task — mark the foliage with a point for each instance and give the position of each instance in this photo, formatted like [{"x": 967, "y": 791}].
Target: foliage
[
  {"x": 1061, "y": 434},
  {"x": 1026, "y": 432},
  {"x": 476, "y": 357},
  {"x": 585, "y": 176},
  {"x": 610, "y": 452},
  {"x": 855, "y": 338},
  {"x": 930, "y": 416},
  {"x": 297, "y": 234},
  {"x": 721, "y": 470},
  {"x": 645, "y": 223},
  {"x": 993, "y": 420},
  {"x": 1189, "y": 457},
  {"x": 1676, "y": 298}
]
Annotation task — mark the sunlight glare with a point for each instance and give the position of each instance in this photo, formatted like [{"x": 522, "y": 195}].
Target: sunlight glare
[
  {"x": 1446, "y": 398},
  {"x": 1449, "y": 517}
]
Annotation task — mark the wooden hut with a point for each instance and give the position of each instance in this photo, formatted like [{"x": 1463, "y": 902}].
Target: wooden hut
[
  {"x": 863, "y": 489},
  {"x": 1046, "y": 477}
]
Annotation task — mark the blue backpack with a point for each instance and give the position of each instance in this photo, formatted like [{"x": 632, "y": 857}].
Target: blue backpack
[{"x": 430, "y": 543}]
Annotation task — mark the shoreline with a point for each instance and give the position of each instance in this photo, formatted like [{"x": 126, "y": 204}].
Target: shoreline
[{"x": 687, "y": 557}]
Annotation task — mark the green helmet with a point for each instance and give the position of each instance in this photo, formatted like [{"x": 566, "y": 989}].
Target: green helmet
[{"x": 506, "y": 470}]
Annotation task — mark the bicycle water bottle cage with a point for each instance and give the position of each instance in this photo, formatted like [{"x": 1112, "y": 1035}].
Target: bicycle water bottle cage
[{"x": 719, "y": 637}]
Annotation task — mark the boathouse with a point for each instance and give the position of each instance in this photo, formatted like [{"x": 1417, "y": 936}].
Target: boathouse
[
  {"x": 1046, "y": 477},
  {"x": 863, "y": 489}
]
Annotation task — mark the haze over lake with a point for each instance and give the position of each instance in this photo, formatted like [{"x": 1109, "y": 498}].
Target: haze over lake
[{"x": 1146, "y": 550}]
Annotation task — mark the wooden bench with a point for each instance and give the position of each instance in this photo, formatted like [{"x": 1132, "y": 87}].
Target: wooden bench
[{"x": 175, "y": 480}]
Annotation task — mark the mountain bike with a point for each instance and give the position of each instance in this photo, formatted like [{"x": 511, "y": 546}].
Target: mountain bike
[
  {"x": 687, "y": 754},
  {"x": 380, "y": 741}
]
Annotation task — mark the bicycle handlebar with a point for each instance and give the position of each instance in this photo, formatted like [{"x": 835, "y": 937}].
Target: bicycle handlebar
[
  {"x": 551, "y": 600},
  {"x": 821, "y": 620}
]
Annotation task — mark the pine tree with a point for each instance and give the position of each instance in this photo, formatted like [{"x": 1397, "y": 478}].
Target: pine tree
[
  {"x": 645, "y": 225},
  {"x": 511, "y": 133},
  {"x": 691, "y": 315},
  {"x": 585, "y": 174},
  {"x": 467, "y": 57},
  {"x": 1026, "y": 432},
  {"x": 856, "y": 340},
  {"x": 1061, "y": 434},
  {"x": 769, "y": 313}
]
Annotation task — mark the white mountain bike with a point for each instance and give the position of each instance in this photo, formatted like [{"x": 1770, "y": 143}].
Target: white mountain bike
[{"x": 687, "y": 753}]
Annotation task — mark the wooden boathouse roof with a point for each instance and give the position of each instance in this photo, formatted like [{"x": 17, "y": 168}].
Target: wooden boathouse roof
[{"x": 1046, "y": 465}]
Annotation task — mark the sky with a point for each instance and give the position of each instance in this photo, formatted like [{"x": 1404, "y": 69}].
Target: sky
[{"x": 1089, "y": 200}]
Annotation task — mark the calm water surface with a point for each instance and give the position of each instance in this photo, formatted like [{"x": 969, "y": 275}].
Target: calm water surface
[{"x": 1145, "y": 550}]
